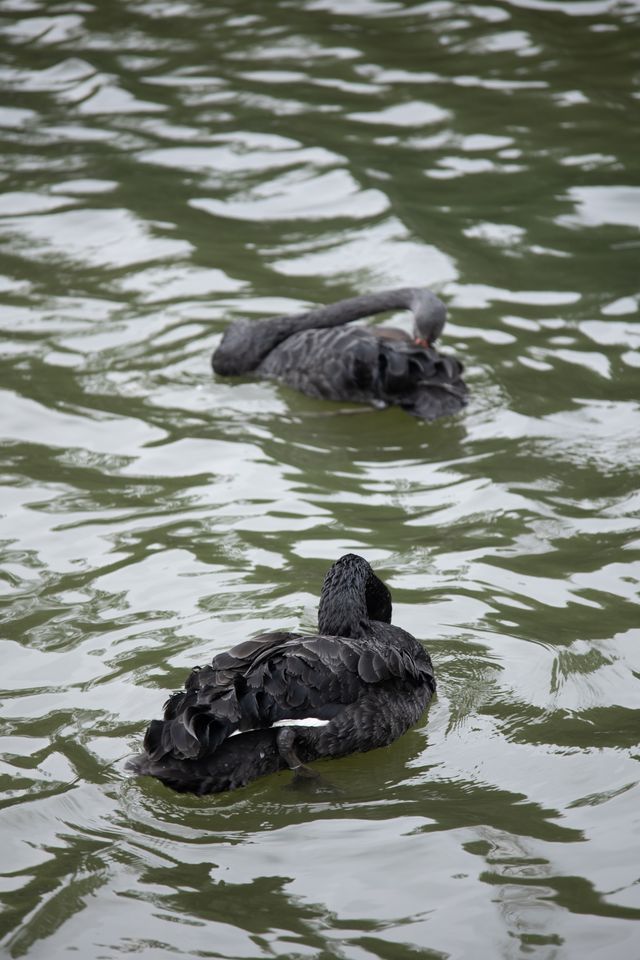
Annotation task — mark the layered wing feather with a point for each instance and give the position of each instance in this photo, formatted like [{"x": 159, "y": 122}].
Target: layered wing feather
[
  {"x": 282, "y": 676},
  {"x": 352, "y": 363}
]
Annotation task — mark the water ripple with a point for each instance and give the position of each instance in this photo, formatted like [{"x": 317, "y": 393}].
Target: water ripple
[{"x": 168, "y": 167}]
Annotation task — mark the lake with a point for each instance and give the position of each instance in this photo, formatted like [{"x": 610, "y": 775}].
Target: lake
[{"x": 168, "y": 166}]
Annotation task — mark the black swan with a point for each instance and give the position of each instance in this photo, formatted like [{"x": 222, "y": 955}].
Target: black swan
[
  {"x": 382, "y": 366},
  {"x": 283, "y": 699}
]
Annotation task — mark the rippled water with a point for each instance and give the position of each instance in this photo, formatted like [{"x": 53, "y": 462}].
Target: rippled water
[{"x": 168, "y": 166}]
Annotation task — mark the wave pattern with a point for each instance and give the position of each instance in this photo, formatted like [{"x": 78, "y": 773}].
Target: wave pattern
[{"x": 168, "y": 166}]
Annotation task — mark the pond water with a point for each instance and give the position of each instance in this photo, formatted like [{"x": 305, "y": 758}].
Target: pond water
[{"x": 169, "y": 166}]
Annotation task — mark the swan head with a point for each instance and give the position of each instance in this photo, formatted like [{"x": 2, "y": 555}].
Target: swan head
[
  {"x": 352, "y": 595},
  {"x": 429, "y": 317},
  {"x": 378, "y": 599}
]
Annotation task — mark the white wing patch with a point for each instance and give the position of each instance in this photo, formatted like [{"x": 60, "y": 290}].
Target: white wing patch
[
  {"x": 301, "y": 722},
  {"x": 304, "y": 722}
]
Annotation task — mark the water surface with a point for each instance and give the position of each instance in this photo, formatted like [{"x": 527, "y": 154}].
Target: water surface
[{"x": 168, "y": 166}]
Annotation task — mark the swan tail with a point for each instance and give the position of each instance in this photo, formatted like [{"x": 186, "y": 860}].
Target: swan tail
[
  {"x": 424, "y": 382},
  {"x": 237, "y": 761},
  {"x": 194, "y": 724},
  {"x": 434, "y": 401}
]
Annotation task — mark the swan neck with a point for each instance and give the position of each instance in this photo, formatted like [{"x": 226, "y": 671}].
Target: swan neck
[{"x": 356, "y": 308}]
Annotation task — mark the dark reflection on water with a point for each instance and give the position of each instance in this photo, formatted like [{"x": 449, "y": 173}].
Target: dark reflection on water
[{"x": 169, "y": 166}]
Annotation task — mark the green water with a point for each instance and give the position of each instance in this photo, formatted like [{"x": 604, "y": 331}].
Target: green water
[{"x": 168, "y": 166}]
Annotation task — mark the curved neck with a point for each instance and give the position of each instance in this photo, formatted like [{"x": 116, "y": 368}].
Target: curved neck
[
  {"x": 245, "y": 344},
  {"x": 367, "y": 305}
]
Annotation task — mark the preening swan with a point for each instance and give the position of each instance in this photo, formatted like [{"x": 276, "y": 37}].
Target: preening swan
[
  {"x": 283, "y": 699},
  {"x": 320, "y": 355}
]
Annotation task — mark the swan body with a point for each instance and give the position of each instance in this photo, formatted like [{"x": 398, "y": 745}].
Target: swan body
[
  {"x": 282, "y": 699},
  {"x": 319, "y": 354}
]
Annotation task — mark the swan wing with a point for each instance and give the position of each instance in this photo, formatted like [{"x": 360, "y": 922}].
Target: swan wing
[
  {"x": 198, "y": 718},
  {"x": 279, "y": 677},
  {"x": 356, "y": 364}
]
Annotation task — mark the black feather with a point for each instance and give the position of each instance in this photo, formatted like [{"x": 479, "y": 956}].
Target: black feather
[
  {"x": 318, "y": 354},
  {"x": 371, "y": 680}
]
